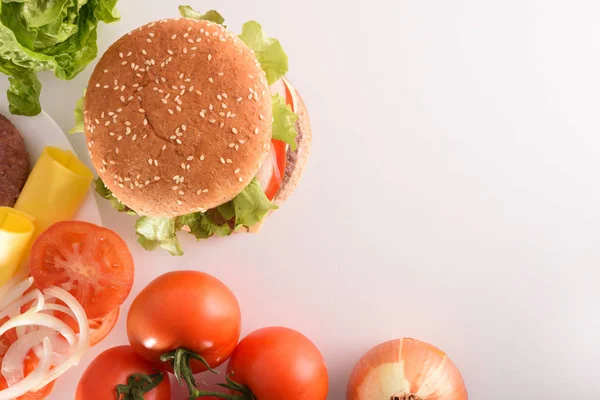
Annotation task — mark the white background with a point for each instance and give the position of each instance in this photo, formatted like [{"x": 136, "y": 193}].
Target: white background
[{"x": 452, "y": 193}]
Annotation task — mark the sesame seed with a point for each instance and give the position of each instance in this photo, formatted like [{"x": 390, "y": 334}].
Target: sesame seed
[
  {"x": 261, "y": 116},
  {"x": 181, "y": 193},
  {"x": 250, "y": 96},
  {"x": 185, "y": 50},
  {"x": 164, "y": 147},
  {"x": 199, "y": 191},
  {"x": 149, "y": 161},
  {"x": 212, "y": 121},
  {"x": 142, "y": 110},
  {"x": 105, "y": 86},
  {"x": 130, "y": 98},
  {"x": 211, "y": 80},
  {"x": 156, "y": 163},
  {"x": 178, "y": 141},
  {"x": 222, "y": 114},
  {"x": 182, "y": 165},
  {"x": 163, "y": 79},
  {"x": 157, "y": 178},
  {"x": 111, "y": 134},
  {"x": 231, "y": 145},
  {"x": 222, "y": 124},
  {"x": 129, "y": 54},
  {"x": 170, "y": 52},
  {"x": 145, "y": 122},
  {"x": 222, "y": 160},
  {"x": 179, "y": 202},
  {"x": 228, "y": 114},
  {"x": 229, "y": 161},
  {"x": 210, "y": 107},
  {"x": 202, "y": 113},
  {"x": 134, "y": 137},
  {"x": 147, "y": 183},
  {"x": 175, "y": 188},
  {"x": 149, "y": 40},
  {"x": 173, "y": 37},
  {"x": 237, "y": 171},
  {"x": 127, "y": 123},
  {"x": 221, "y": 73},
  {"x": 241, "y": 141},
  {"x": 107, "y": 123},
  {"x": 219, "y": 97},
  {"x": 240, "y": 179},
  {"x": 237, "y": 147},
  {"x": 119, "y": 138},
  {"x": 178, "y": 108},
  {"x": 223, "y": 105},
  {"x": 164, "y": 101},
  {"x": 121, "y": 185},
  {"x": 173, "y": 137},
  {"x": 209, "y": 57},
  {"x": 117, "y": 150},
  {"x": 204, "y": 190},
  {"x": 256, "y": 131},
  {"x": 171, "y": 111},
  {"x": 235, "y": 131},
  {"x": 184, "y": 127},
  {"x": 97, "y": 85},
  {"x": 199, "y": 93},
  {"x": 151, "y": 34},
  {"x": 144, "y": 52},
  {"x": 186, "y": 34},
  {"x": 105, "y": 71},
  {"x": 124, "y": 62},
  {"x": 202, "y": 157}
]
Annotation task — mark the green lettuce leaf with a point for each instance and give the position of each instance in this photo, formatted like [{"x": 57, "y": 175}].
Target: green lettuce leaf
[
  {"x": 42, "y": 35},
  {"x": 105, "y": 193},
  {"x": 212, "y": 15},
  {"x": 246, "y": 209},
  {"x": 79, "y": 108},
  {"x": 205, "y": 225},
  {"x": 156, "y": 232},
  {"x": 251, "y": 205},
  {"x": 24, "y": 92},
  {"x": 284, "y": 122},
  {"x": 268, "y": 51}
]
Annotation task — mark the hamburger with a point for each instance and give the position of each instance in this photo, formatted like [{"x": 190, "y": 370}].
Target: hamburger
[{"x": 192, "y": 127}]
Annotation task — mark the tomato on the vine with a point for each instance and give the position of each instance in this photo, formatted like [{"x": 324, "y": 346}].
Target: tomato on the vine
[
  {"x": 279, "y": 364},
  {"x": 114, "y": 368},
  {"x": 186, "y": 310}
]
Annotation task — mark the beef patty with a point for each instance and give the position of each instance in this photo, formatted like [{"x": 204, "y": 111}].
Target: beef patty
[{"x": 14, "y": 163}]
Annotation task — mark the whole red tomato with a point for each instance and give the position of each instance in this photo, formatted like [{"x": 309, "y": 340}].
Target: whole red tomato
[
  {"x": 279, "y": 364},
  {"x": 185, "y": 310},
  {"x": 114, "y": 367}
]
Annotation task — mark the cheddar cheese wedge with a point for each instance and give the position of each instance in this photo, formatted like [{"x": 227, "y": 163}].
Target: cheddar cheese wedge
[
  {"x": 55, "y": 189},
  {"x": 16, "y": 230}
]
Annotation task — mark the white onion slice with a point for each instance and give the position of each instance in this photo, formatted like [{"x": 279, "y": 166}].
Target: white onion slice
[
  {"x": 84, "y": 335},
  {"x": 33, "y": 379},
  {"x": 15, "y": 292},
  {"x": 16, "y": 305},
  {"x": 267, "y": 169},
  {"x": 49, "y": 321},
  {"x": 14, "y": 359}
]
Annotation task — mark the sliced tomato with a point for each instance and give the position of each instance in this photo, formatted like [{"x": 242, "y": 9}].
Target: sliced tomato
[
  {"x": 279, "y": 149},
  {"x": 101, "y": 327},
  {"x": 90, "y": 262}
]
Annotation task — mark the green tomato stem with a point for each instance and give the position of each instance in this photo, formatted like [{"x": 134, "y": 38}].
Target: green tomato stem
[{"x": 137, "y": 385}]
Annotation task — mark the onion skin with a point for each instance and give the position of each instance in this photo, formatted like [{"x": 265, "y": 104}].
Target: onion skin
[{"x": 404, "y": 367}]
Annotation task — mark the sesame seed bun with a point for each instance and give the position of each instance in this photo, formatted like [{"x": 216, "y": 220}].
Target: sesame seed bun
[{"x": 178, "y": 117}]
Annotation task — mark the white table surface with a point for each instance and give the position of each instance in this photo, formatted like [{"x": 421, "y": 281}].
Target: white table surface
[{"x": 452, "y": 193}]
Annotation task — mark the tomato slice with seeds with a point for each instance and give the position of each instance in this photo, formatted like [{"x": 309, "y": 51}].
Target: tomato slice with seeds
[{"x": 90, "y": 262}]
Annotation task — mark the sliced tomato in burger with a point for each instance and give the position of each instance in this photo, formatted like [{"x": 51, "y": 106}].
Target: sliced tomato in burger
[{"x": 272, "y": 170}]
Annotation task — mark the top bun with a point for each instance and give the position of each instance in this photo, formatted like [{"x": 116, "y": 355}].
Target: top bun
[{"x": 178, "y": 117}]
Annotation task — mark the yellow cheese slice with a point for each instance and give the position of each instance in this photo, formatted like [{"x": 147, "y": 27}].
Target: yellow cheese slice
[
  {"x": 16, "y": 230},
  {"x": 55, "y": 189}
]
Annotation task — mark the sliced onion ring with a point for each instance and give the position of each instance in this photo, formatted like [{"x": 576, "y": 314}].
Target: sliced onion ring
[
  {"x": 14, "y": 359},
  {"x": 84, "y": 335},
  {"x": 31, "y": 380}
]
